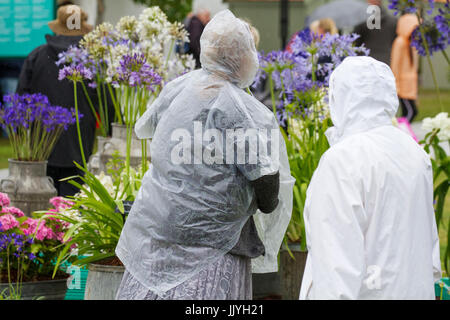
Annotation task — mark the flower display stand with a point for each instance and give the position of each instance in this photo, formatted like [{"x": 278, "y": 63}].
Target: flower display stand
[
  {"x": 76, "y": 285},
  {"x": 103, "y": 281},
  {"x": 292, "y": 270},
  {"x": 107, "y": 147},
  {"x": 41, "y": 290},
  {"x": 442, "y": 289},
  {"x": 28, "y": 186}
]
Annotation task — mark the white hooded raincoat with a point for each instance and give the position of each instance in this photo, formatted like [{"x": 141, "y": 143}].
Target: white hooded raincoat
[{"x": 369, "y": 217}]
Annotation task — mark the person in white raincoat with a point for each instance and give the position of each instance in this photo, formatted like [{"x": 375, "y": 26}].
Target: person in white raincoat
[
  {"x": 217, "y": 157},
  {"x": 369, "y": 218}
]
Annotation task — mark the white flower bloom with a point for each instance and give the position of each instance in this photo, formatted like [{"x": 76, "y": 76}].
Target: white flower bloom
[{"x": 442, "y": 122}]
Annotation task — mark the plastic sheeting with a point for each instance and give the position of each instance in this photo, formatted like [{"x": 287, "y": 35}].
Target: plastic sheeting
[{"x": 196, "y": 196}]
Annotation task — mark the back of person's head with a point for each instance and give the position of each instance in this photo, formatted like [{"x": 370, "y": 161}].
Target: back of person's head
[
  {"x": 314, "y": 27},
  {"x": 362, "y": 94},
  {"x": 228, "y": 49},
  {"x": 203, "y": 14},
  {"x": 327, "y": 25},
  {"x": 254, "y": 31}
]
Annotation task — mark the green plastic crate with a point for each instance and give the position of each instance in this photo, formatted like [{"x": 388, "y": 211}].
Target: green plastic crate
[
  {"x": 442, "y": 288},
  {"x": 76, "y": 285}
]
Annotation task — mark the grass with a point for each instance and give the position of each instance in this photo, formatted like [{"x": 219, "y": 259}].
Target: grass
[
  {"x": 5, "y": 152},
  {"x": 428, "y": 103}
]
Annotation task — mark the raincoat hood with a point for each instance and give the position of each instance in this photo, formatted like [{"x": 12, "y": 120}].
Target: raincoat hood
[
  {"x": 363, "y": 96},
  {"x": 406, "y": 25},
  {"x": 228, "y": 49}
]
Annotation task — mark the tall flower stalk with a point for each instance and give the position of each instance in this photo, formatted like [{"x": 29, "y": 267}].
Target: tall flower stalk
[
  {"x": 128, "y": 64},
  {"x": 77, "y": 74},
  {"x": 136, "y": 82},
  {"x": 298, "y": 83}
]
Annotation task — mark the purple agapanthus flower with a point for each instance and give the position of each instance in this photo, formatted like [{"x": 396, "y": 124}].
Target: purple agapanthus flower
[
  {"x": 436, "y": 34},
  {"x": 134, "y": 71},
  {"x": 409, "y": 6},
  {"x": 26, "y": 110},
  {"x": 75, "y": 73},
  {"x": 79, "y": 59},
  {"x": 308, "y": 67}
]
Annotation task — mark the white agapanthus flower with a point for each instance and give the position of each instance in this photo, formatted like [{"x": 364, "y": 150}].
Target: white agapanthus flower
[
  {"x": 442, "y": 122},
  {"x": 150, "y": 34}
]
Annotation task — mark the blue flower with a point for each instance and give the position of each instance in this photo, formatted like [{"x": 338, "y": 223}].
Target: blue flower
[{"x": 135, "y": 71}]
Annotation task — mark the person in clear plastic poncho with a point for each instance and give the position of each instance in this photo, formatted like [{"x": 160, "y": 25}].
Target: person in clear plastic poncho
[
  {"x": 217, "y": 157},
  {"x": 369, "y": 217}
]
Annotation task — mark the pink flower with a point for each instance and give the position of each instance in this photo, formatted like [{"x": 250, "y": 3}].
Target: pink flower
[
  {"x": 60, "y": 236},
  {"x": 29, "y": 226},
  {"x": 15, "y": 211},
  {"x": 4, "y": 200},
  {"x": 61, "y": 204},
  {"x": 43, "y": 232},
  {"x": 8, "y": 222}
]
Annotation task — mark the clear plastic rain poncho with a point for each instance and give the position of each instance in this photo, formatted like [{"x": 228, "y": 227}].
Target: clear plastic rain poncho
[{"x": 196, "y": 196}]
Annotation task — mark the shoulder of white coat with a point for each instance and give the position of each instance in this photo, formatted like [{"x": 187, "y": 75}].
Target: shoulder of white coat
[{"x": 346, "y": 155}]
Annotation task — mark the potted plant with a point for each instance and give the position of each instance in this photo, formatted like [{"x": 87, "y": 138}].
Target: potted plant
[
  {"x": 300, "y": 80},
  {"x": 28, "y": 250},
  {"x": 103, "y": 203},
  {"x": 33, "y": 126},
  {"x": 438, "y": 133},
  {"x": 128, "y": 64}
]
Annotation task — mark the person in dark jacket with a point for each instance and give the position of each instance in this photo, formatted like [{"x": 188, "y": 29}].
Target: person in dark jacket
[
  {"x": 195, "y": 28},
  {"x": 379, "y": 41},
  {"x": 40, "y": 75}
]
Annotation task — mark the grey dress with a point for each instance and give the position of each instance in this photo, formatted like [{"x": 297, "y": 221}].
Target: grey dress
[{"x": 230, "y": 278}]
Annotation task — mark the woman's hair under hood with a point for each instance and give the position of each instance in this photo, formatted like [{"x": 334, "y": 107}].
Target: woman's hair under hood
[{"x": 228, "y": 49}]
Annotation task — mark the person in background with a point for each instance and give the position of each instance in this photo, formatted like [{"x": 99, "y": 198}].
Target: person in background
[
  {"x": 405, "y": 65},
  {"x": 183, "y": 48},
  {"x": 369, "y": 215},
  {"x": 324, "y": 26},
  {"x": 379, "y": 41},
  {"x": 9, "y": 77},
  {"x": 317, "y": 27},
  {"x": 61, "y": 3},
  {"x": 195, "y": 27},
  {"x": 40, "y": 75}
]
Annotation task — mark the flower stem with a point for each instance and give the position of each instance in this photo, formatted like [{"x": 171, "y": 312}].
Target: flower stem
[
  {"x": 272, "y": 95},
  {"x": 80, "y": 141},
  {"x": 425, "y": 44},
  {"x": 445, "y": 56}
]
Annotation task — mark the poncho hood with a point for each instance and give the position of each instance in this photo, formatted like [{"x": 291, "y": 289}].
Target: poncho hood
[
  {"x": 228, "y": 49},
  {"x": 363, "y": 96}
]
